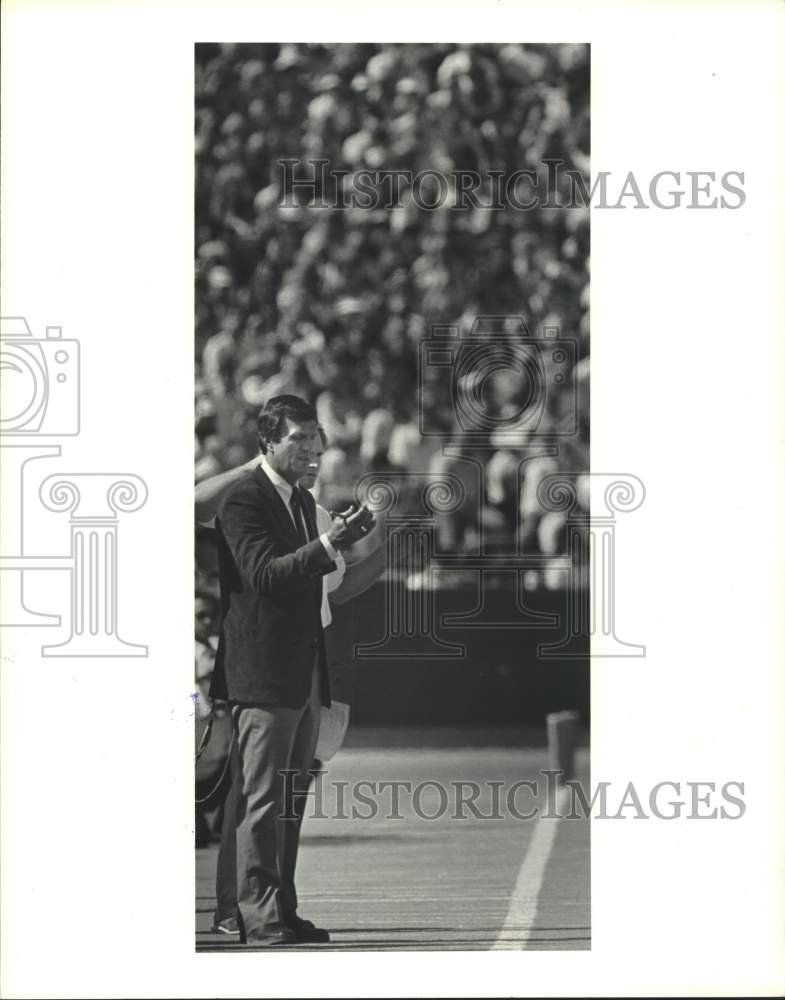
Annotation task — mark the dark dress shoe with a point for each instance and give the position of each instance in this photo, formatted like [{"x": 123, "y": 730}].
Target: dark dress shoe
[
  {"x": 307, "y": 932},
  {"x": 275, "y": 940}
]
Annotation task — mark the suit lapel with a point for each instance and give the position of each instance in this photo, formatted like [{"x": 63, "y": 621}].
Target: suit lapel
[
  {"x": 277, "y": 506},
  {"x": 279, "y": 511}
]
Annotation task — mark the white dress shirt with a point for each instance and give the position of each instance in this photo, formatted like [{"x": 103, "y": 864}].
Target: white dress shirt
[{"x": 334, "y": 579}]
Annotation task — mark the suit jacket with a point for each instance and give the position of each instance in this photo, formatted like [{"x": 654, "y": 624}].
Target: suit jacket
[{"x": 271, "y": 593}]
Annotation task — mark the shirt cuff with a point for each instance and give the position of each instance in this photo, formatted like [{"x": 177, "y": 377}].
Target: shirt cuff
[{"x": 329, "y": 548}]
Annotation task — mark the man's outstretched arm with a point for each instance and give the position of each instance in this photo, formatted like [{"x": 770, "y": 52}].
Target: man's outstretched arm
[
  {"x": 210, "y": 492},
  {"x": 360, "y": 575}
]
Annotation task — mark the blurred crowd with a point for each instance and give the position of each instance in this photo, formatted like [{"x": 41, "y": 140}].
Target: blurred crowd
[{"x": 333, "y": 304}]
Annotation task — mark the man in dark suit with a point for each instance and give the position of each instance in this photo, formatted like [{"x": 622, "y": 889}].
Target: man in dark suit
[{"x": 271, "y": 662}]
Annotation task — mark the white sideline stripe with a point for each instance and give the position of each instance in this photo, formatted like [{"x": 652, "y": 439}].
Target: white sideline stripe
[{"x": 522, "y": 912}]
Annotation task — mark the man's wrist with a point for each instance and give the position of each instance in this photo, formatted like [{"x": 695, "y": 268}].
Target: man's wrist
[{"x": 329, "y": 548}]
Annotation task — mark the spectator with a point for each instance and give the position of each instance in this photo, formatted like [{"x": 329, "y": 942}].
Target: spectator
[{"x": 333, "y": 305}]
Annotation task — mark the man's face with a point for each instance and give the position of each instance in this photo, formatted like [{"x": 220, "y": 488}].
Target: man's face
[
  {"x": 291, "y": 455},
  {"x": 308, "y": 481}
]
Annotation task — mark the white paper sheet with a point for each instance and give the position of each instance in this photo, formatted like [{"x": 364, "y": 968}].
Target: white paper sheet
[{"x": 332, "y": 730}]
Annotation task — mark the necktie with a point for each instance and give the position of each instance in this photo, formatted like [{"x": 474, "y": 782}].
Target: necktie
[{"x": 298, "y": 514}]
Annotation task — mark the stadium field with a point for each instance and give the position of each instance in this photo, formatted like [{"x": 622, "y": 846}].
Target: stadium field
[{"x": 401, "y": 880}]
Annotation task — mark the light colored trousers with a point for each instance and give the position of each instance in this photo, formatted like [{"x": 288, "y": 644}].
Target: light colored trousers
[{"x": 261, "y": 831}]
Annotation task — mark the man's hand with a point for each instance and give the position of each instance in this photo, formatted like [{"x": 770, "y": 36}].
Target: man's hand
[{"x": 350, "y": 526}]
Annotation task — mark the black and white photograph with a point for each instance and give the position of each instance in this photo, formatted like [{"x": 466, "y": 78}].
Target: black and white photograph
[
  {"x": 426, "y": 361},
  {"x": 392, "y": 493}
]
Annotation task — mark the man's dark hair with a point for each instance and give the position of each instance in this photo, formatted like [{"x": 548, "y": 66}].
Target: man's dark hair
[{"x": 272, "y": 418}]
